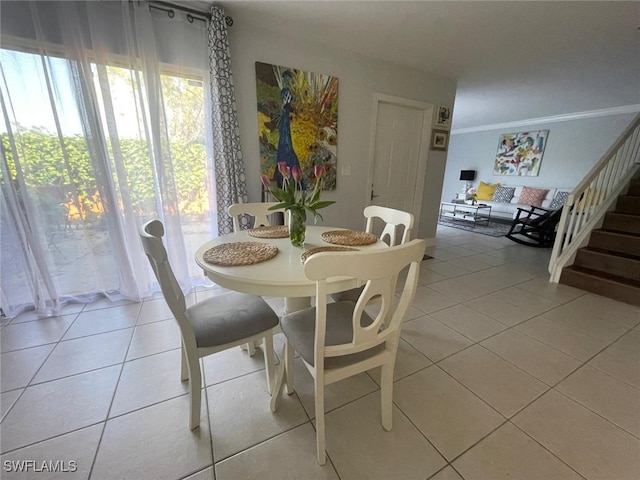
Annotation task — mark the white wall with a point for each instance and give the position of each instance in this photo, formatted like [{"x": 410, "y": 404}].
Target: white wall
[
  {"x": 359, "y": 78},
  {"x": 573, "y": 147}
]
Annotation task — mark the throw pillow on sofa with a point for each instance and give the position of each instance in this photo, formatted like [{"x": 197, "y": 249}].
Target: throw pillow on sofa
[
  {"x": 558, "y": 200},
  {"x": 503, "y": 194},
  {"x": 486, "y": 190},
  {"x": 532, "y": 196}
]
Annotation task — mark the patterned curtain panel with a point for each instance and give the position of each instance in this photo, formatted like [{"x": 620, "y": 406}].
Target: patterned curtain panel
[{"x": 227, "y": 157}]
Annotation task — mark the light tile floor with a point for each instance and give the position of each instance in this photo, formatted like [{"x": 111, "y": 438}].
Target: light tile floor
[{"x": 499, "y": 375}]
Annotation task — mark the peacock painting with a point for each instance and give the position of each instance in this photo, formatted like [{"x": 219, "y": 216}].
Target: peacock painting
[{"x": 297, "y": 122}]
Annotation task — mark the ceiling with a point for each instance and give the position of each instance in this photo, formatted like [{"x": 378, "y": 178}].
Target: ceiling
[{"x": 512, "y": 60}]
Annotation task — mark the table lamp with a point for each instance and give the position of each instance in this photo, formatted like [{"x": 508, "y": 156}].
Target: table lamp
[{"x": 467, "y": 176}]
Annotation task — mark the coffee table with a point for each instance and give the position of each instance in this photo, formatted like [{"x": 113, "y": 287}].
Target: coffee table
[{"x": 474, "y": 214}]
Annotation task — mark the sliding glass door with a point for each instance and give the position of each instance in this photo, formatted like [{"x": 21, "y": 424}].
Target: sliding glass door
[{"x": 101, "y": 130}]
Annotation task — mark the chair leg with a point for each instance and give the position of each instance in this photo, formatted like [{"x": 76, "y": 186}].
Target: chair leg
[
  {"x": 251, "y": 348},
  {"x": 276, "y": 394},
  {"x": 320, "y": 444},
  {"x": 184, "y": 368},
  {"x": 284, "y": 376},
  {"x": 195, "y": 390},
  {"x": 386, "y": 392},
  {"x": 289, "y": 366},
  {"x": 267, "y": 346}
]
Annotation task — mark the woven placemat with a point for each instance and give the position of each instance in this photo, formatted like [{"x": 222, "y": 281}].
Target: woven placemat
[
  {"x": 240, "y": 253},
  {"x": 275, "y": 231},
  {"x": 308, "y": 253},
  {"x": 349, "y": 237}
]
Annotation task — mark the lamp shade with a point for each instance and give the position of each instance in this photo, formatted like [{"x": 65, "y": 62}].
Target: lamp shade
[{"x": 467, "y": 175}]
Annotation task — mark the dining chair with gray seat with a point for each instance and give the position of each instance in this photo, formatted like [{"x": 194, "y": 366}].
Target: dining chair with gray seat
[
  {"x": 337, "y": 340},
  {"x": 209, "y": 326},
  {"x": 261, "y": 217},
  {"x": 258, "y": 210},
  {"x": 393, "y": 219}
]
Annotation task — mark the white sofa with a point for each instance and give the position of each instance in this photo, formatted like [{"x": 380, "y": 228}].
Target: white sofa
[{"x": 508, "y": 210}]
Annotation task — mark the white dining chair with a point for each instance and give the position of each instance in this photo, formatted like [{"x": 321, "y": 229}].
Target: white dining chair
[
  {"x": 209, "y": 326},
  {"x": 258, "y": 210},
  {"x": 261, "y": 217},
  {"x": 393, "y": 219},
  {"x": 338, "y": 340}
]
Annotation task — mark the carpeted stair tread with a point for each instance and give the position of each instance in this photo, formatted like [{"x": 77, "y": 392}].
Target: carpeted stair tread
[
  {"x": 606, "y": 262},
  {"x": 609, "y": 252},
  {"x": 610, "y": 286},
  {"x": 606, "y": 276}
]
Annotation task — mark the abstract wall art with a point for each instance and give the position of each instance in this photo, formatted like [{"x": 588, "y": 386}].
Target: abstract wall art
[
  {"x": 297, "y": 122},
  {"x": 520, "y": 153}
]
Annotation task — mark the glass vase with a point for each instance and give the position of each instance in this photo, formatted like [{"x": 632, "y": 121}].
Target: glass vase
[{"x": 297, "y": 226}]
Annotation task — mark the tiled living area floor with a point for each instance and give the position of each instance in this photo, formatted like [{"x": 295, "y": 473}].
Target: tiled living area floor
[{"x": 499, "y": 375}]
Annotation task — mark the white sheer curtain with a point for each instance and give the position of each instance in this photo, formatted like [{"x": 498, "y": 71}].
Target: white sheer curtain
[{"x": 104, "y": 126}]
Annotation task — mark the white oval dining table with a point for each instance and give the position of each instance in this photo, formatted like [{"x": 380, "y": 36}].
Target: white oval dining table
[{"x": 281, "y": 276}]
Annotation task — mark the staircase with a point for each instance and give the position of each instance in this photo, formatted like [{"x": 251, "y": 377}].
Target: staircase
[{"x": 610, "y": 264}]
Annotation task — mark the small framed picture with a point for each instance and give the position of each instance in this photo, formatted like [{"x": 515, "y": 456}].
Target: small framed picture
[
  {"x": 439, "y": 140},
  {"x": 443, "y": 117}
]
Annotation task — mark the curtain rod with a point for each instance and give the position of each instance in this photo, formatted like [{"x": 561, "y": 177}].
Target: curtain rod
[{"x": 169, "y": 7}]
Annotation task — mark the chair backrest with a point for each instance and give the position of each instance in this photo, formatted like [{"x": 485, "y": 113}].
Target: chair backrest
[
  {"x": 380, "y": 269},
  {"x": 545, "y": 224},
  {"x": 552, "y": 220},
  {"x": 546, "y": 220},
  {"x": 392, "y": 218},
  {"x": 151, "y": 236},
  {"x": 258, "y": 210}
]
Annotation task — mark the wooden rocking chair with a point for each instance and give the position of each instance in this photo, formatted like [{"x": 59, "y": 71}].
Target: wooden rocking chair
[{"x": 535, "y": 227}]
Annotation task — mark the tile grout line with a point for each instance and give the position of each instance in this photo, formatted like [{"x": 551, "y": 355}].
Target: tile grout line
[
  {"x": 38, "y": 369},
  {"x": 113, "y": 396}
]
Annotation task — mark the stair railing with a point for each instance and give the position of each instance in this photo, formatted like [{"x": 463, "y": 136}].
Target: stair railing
[{"x": 594, "y": 196}]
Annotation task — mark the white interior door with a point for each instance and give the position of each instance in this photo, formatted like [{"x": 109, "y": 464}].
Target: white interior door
[{"x": 400, "y": 136}]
